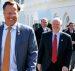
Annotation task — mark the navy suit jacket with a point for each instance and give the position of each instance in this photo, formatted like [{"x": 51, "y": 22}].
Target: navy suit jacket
[
  {"x": 45, "y": 51},
  {"x": 25, "y": 48}
]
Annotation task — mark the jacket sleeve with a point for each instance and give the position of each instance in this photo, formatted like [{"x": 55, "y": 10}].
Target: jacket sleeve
[
  {"x": 68, "y": 52},
  {"x": 32, "y": 52}
]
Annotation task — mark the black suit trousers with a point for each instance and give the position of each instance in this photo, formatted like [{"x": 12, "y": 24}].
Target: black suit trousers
[{"x": 53, "y": 67}]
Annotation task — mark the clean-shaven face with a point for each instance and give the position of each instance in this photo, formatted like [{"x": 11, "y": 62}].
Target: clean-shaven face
[
  {"x": 10, "y": 14},
  {"x": 44, "y": 23},
  {"x": 56, "y": 26}
]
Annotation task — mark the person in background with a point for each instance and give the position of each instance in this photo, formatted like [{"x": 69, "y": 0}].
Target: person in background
[
  {"x": 55, "y": 49},
  {"x": 18, "y": 46},
  {"x": 74, "y": 26},
  {"x": 71, "y": 31},
  {"x": 43, "y": 28},
  {"x": 67, "y": 28}
]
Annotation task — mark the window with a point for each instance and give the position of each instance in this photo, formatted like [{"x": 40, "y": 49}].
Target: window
[
  {"x": 20, "y": 1},
  {"x": 17, "y": 1},
  {"x": 56, "y": 15},
  {"x": 66, "y": 20}
]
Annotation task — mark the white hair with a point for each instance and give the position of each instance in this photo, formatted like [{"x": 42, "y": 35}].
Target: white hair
[{"x": 58, "y": 19}]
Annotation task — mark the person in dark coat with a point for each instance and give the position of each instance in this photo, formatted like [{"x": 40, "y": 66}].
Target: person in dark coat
[{"x": 56, "y": 58}]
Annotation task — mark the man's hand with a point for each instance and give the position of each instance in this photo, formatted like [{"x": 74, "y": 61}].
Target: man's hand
[
  {"x": 39, "y": 67},
  {"x": 64, "y": 68}
]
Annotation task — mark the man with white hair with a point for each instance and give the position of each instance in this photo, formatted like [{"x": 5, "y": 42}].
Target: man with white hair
[{"x": 55, "y": 49}]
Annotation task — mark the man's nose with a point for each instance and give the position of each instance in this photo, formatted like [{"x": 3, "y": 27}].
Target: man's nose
[{"x": 12, "y": 15}]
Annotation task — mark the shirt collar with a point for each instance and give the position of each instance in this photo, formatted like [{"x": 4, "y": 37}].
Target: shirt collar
[
  {"x": 13, "y": 27},
  {"x": 58, "y": 33}
]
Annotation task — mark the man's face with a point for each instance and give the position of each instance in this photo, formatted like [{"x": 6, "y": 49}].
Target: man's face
[
  {"x": 10, "y": 14},
  {"x": 56, "y": 26},
  {"x": 44, "y": 23},
  {"x": 71, "y": 26}
]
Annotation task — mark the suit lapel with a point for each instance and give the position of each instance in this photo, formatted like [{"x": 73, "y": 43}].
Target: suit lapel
[
  {"x": 48, "y": 48},
  {"x": 41, "y": 30},
  {"x": 60, "y": 44},
  {"x": 1, "y": 32},
  {"x": 18, "y": 36},
  {"x": 17, "y": 44},
  {"x": 50, "y": 44}
]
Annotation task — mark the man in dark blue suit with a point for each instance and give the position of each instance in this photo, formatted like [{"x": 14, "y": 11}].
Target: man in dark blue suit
[
  {"x": 23, "y": 47},
  {"x": 55, "y": 49}
]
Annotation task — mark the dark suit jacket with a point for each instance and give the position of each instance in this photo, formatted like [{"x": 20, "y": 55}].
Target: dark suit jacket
[
  {"x": 25, "y": 48},
  {"x": 45, "y": 51},
  {"x": 39, "y": 32},
  {"x": 72, "y": 36}
]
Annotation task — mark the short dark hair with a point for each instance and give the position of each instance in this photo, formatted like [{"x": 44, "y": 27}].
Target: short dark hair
[
  {"x": 71, "y": 23},
  {"x": 11, "y": 3}
]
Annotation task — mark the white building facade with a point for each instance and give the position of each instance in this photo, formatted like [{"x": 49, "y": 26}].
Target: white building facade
[
  {"x": 1, "y": 10},
  {"x": 35, "y": 10}
]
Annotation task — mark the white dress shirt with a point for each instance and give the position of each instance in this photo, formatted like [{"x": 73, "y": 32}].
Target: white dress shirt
[
  {"x": 45, "y": 29},
  {"x": 13, "y": 66}
]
